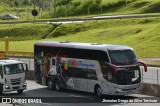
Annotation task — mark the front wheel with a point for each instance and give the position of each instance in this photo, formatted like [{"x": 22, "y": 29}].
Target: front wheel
[
  {"x": 57, "y": 85},
  {"x": 98, "y": 91},
  {"x": 20, "y": 91}
]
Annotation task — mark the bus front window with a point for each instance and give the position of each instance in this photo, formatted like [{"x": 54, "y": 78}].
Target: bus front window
[
  {"x": 122, "y": 57},
  {"x": 13, "y": 69}
]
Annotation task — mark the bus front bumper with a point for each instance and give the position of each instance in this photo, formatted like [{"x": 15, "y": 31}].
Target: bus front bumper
[{"x": 123, "y": 89}]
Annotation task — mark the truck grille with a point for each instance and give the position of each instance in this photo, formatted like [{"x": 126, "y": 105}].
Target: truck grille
[
  {"x": 16, "y": 87},
  {"x": 16, "y": 81}
]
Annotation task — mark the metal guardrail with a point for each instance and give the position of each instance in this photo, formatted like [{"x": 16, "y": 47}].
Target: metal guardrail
[
  {"x": 124, "y": 16},
  {"x": 17, "y": 53}
]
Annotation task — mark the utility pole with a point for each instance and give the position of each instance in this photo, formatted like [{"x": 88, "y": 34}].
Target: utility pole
[
  {"x": 34, "y": 8},
  {"x": 126, "y": 2},
  {"x": 55, "y": 5}
]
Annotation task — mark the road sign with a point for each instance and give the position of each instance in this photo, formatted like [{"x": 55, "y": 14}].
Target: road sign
[{"x": 34, "y": 12}]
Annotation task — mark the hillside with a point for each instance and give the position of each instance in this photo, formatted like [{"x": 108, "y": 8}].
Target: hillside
[
  {"x": 79, "y": 7},
  {"x": 141, "y": 34}
]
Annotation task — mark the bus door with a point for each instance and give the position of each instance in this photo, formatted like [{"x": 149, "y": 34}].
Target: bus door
[{"x": 53, "y": 66}]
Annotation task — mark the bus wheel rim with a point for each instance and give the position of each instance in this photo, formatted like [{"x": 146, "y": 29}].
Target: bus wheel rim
[
  {"x": 99, "y": 92},
  {"x": 57, "y": 86}
]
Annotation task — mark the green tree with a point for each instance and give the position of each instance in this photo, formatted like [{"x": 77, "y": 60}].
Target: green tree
[
  {"x": 26, "y": 2},
  {"x": 16, "y": 3}
]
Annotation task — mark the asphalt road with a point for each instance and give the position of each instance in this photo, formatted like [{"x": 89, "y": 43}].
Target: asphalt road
[
  {"x": 36, "y": 90},
  {"x": 151, "y": 76}
]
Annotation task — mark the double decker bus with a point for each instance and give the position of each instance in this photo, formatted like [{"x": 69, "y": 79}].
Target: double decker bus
[{"x": 98, "y": 68}]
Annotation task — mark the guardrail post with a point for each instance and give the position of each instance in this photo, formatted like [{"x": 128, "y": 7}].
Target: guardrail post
[{"x": 6, "y": 43}]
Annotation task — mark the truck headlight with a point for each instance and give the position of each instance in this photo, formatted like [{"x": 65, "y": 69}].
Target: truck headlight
[
  {"x": 7, "y": 87},
  {"x": 25, "y": 84}
]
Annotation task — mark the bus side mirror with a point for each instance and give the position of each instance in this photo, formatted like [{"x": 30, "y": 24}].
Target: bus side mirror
[
  {"x": 114, "y": 67},
  {"x": 145, "y": 66}
]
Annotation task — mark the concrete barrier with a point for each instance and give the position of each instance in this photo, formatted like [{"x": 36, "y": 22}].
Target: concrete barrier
[
  {"x": 151, "y": 89},
  {"x": 147, "y": 89},
  {"x": 30, "y": 75}
]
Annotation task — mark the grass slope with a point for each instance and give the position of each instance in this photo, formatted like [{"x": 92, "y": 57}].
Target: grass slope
[
  {"x": 22, "y": 32},
  {"x": 141, "y": 34},
  {"x": 87, "y": 8}
]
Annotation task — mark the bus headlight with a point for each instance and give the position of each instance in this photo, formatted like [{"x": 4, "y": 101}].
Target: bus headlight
[{"x": 7, "y": 87}]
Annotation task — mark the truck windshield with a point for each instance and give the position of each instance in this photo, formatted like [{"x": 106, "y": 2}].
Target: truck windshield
[
  {"x": 122, "y": 57},
  {"x": 13, "y": 69}
]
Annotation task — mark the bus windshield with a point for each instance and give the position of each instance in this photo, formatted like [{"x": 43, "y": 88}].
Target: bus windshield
[
  {"x": 13, "y": 69},
  {"x": 126, "y": 76},
  {"x": 122, "y": 57}
]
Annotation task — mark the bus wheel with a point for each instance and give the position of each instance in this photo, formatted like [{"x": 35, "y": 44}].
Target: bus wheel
[
  {"x": 57, "y": 85},
  {"x": 50, "y": 84},
  {"x": 20, "y": 91},
  {"x": 98, "y": 91}
]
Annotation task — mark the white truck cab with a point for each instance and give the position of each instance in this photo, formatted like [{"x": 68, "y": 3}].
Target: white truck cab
[{"x": 12, "y": 76}]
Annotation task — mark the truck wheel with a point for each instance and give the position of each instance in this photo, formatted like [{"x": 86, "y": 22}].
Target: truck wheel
[
  {"x": 20, "y": 91},
  {"x": 57, "y": 85},
  {"x": 50, "y": 84},
  {"x": 98, "y": 91}
]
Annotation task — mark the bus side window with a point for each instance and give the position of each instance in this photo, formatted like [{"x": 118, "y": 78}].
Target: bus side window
[{"x": 91, "y": 74}]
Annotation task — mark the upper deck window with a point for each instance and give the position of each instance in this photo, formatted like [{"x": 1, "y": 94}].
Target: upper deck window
[{"x": 122, "y": 57}]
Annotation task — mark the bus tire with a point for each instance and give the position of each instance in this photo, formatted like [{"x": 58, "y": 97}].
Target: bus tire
[
  {"x": 50, "y": 84},
  {"x": 57, "y": 85},
  {"x": 98, "y": 91},
  {"x": 20, "y": 91}
]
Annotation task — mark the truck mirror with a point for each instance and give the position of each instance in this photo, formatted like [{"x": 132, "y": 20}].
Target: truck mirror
[
  {"x": 25, "y": 66},
  {"x": 1, "y": 72},
  {"x": 145, "y": 66},
  {"x": 1, "y": 76}
]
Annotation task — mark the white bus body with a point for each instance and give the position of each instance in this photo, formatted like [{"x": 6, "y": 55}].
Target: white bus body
[{"x": 98, "y": 68}]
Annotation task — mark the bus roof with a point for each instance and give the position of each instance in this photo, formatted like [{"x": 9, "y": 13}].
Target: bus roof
[{"x": 94, "y": 46}]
